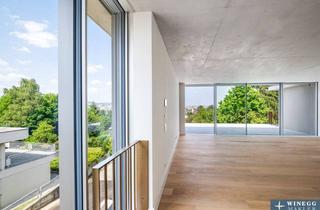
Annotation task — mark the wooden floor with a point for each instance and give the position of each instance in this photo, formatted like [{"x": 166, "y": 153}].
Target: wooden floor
[{"x": 241, "y": 173}]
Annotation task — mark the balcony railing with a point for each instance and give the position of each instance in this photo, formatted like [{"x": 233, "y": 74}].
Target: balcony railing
[
  {"x": 128, "y": 169},
  {"x": 21, "y": 145}
]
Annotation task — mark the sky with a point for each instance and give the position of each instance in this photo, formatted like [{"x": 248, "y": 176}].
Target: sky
[
  {"x": 29, "y": 48},
  {"x": 203, "y": 95},
  {"x": 99, "y": 64}
]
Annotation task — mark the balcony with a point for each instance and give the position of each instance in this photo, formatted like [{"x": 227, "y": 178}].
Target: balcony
[{"x": 121, "y": 181}]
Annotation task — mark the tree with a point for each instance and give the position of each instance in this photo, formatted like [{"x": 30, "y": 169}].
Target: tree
[
  {"x": 94, "y": 113},
  {"x": 46, "y": 110},
  {"x": 272, "y": 100},
  {"x": 232, "y": 108},
  {"x": 99, "y": 124},
  {"x": 44, "y": 134},
  {"x": 25, "y": 106},
  {"x": 202, "y": 115},
  {"x": 99, "y": 120},
  {"x": 18, "y": 104},
  {"x": 252, "y": 105},
  {"x": 106, "y": 121}
]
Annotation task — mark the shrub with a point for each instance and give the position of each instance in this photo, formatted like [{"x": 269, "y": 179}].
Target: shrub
[
  {"x": 44, "y": 134},
  {"x": 54, "y": 165},
  {"x": 104, "y": 140},
  {"x": 94, "y": 155}
]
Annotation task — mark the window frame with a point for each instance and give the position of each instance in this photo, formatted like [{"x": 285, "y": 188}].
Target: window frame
[
  {"x": 73, "y": 95},
  {"x": 280, "y": 106}
]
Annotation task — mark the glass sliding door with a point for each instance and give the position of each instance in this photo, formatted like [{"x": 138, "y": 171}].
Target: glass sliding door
[
  {"x": 299, "y": 109},
  {"x": 199, "y": 109},
  {"x": 99, "y": 94},
  {"x": 266, "y": 109},
  {"x": 263, "y": 109},
  {"x": 231, "y": 109}
]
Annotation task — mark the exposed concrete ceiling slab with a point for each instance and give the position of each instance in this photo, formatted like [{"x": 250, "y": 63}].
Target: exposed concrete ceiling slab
[{"x": 240, "y": 40}]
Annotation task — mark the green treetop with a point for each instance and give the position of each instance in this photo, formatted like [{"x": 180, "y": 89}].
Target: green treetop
[{"x": 251, "y": 104}]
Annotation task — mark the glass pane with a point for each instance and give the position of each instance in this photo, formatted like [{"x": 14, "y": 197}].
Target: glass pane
[
  {"x": 99, "y": 93},
  {"x": 299, "y": 109},
  {"x": 262, "y": 109},
  {"x": 29, "y": 164},
  {"x": 231, "y": 110},
  {"x": 199, "y": 109}
]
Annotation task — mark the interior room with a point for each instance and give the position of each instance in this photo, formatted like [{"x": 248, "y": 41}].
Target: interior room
[{"x": 160, "y": 104}]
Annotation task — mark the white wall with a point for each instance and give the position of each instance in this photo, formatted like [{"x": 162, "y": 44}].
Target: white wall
[
  {"x": 22, "y": 182},
  {"x": 140, "y": 77},
  {"x": 165, "y": 119},
  {"x": 152, "y": 82},
  {"x": 299, "y": 106}
]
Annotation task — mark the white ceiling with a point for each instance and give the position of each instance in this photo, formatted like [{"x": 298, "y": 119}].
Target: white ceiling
[{"x": 240, "y": 40}]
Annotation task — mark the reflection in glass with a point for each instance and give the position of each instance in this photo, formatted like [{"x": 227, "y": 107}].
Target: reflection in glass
[{"x": 99, "y": 93}]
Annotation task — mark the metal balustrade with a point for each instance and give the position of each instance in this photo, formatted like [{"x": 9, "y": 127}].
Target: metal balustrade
[{"x": 128, "y": 169}]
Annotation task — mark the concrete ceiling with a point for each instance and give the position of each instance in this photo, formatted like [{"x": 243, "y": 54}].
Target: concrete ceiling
[{"x": 240, "y": 40}]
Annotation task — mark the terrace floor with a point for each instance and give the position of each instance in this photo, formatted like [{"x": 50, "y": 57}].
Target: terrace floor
[
  {"x": 239, "y": 129},
  {"x": 241, "y": 173}
]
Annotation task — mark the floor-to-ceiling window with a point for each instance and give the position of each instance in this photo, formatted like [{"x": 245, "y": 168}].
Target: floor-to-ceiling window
[
  {"x": 263, "y": 109},
  {"x": 29, "y": 137},
  {"x": 199, "y": 109},
  {"x": 253, "y": 109},
  {"x": 106, "y": 96},
  {"x": 231, "y": 109},
  {"x": 99, "y": 92},
  {"x": 92, "y": 98},
  {"x": 299, "y": 109}
]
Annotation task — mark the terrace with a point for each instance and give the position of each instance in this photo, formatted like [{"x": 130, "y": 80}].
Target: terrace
[{"x": 239, "y": 129}]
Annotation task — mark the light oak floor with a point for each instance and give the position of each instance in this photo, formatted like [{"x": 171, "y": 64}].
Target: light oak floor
[{"x": 241, "y": 173}]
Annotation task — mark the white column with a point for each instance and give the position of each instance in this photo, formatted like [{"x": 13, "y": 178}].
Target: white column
[
  {"x": 70, "y": 64},
  {"x": 2, "y": 157},
  {"x": 182, "y": 109}
]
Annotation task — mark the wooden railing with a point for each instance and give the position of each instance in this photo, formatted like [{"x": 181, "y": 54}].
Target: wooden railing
[{"x": 128, "y": 169}]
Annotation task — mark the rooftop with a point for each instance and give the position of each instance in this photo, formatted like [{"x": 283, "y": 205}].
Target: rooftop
[
  {"x": 9, "y": 134},
  {"x": 18, "y": 158}
]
